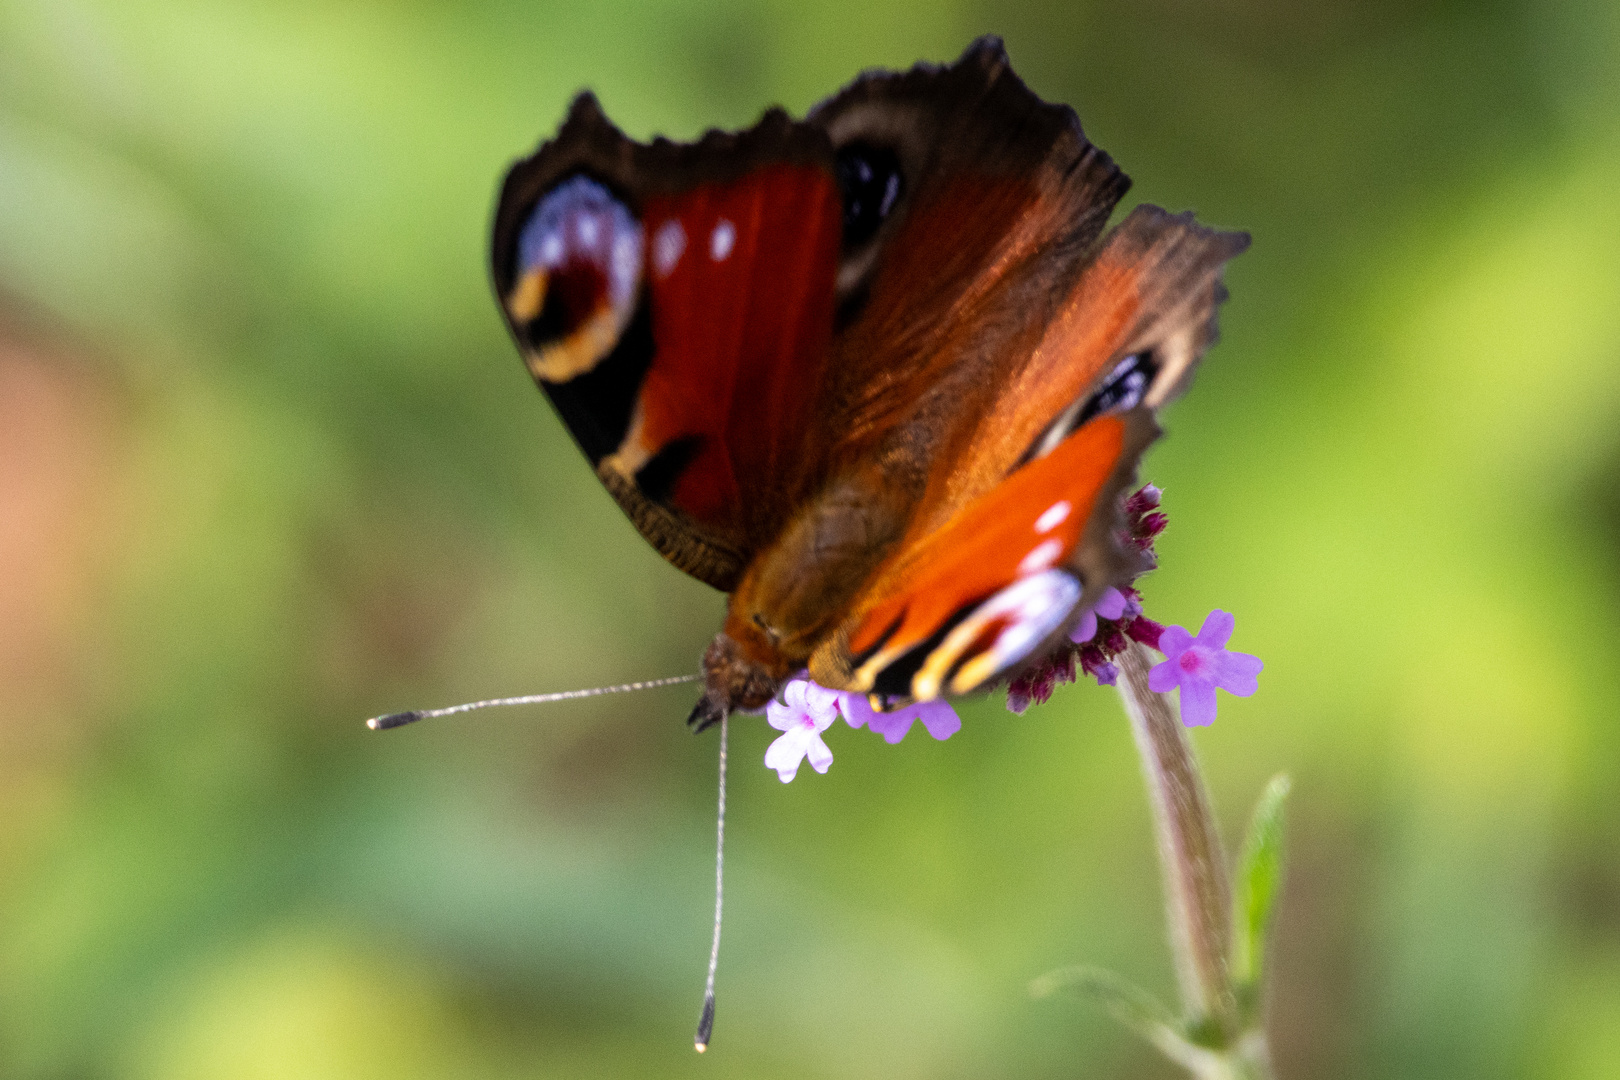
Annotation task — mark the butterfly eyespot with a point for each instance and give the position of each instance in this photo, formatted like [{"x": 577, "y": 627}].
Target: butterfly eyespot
[
  {"x": 1124, "y": 388},
  {"x": 579, "y": 259},
  {"x": 869, "y": 177}
]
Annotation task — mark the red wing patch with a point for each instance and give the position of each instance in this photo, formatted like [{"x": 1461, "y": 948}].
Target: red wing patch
[
  {"x": 980, "y": 594},
  {"x": 740, "y": 280},
  {"x": 675, "y": 302}
]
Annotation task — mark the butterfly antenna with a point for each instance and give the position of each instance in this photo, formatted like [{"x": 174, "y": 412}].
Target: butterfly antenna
[
  {"x": 400, "y": 719},
  {"x": 705, "y": 1026}
]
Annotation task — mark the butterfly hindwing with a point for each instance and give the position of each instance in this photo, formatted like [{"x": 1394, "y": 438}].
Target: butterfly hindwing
[
  {"x": 1007, "y": 554},
  {"x": 741, "y": 297},
  {"x": 977, "y": 596}
]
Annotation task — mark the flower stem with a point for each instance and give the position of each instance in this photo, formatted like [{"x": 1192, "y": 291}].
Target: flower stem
[{"x": 1196, "y": 884}]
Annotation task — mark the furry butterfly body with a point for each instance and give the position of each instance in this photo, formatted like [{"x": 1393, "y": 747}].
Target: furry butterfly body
[{"x": 879, "y": 374}]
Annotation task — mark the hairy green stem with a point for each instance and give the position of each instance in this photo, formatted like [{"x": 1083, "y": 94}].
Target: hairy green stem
[{"x": 1198, "y": 891}]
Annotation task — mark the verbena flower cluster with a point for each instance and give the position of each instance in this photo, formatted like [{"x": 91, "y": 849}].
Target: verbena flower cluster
[
  {"x": 1108, "y": 628},
  {"x": 1196, "y": 666}
]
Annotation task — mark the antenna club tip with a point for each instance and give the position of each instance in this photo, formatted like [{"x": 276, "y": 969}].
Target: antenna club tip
[
  {"x": 705, "y": 1028},
  {"x": 393, "y": 720}
]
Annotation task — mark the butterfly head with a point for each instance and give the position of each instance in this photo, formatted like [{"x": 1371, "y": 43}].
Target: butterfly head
[{"x": 742, "y": 670}]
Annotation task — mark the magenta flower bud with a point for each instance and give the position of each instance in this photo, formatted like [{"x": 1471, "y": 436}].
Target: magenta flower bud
[{"x": 1145, "y": 630}]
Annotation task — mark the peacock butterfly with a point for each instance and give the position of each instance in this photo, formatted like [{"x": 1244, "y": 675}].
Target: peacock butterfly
[{"x": 879, "y": 374}]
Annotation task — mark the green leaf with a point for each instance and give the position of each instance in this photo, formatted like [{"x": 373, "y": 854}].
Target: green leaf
[
  {"x": 1129, "y": 1003},
  {"x": 1136, "y": 1009},
  {"x": 1259, "y": 877}
]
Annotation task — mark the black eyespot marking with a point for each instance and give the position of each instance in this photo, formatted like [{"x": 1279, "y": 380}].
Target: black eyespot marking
[
  {"x": 576, "y": 292},
  {"x": 870, "y": 179},
  {"x": 597, "y": 405},
  {"x": 1123, "y": 389}
]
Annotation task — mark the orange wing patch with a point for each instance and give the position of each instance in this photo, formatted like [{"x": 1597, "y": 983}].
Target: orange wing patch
[{"x": 982, "y": 593}]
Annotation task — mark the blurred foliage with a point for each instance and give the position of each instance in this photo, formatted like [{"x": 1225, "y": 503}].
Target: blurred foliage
[{"x": 268, "y": 466}]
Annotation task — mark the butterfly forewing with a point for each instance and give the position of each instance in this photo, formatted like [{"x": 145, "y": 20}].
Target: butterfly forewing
[{"x": 675, "y": 303}]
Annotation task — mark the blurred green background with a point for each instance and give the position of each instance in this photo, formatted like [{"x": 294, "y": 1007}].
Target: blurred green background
[{"x": 269, "y": 465}]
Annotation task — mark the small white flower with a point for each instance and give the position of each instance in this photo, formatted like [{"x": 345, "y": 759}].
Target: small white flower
[{"x": 803, "y": 713}]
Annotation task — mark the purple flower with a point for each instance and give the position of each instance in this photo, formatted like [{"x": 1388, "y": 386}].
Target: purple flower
[
  {"x": 1110, "y": 606},
  {"x": 1198, "y": 665},
  {"x": 803, "y": 712},
  {"x": 1106, "y": 673},
  {"x": 937, "y": 716}
]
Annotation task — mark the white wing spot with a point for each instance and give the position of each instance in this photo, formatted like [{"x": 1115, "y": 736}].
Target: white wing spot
[
  {"x": 587, "y": 230},
  {"x": 1042, "y": 557},
  {"x": 722, "y": 240},
  {"x": 1053, "y": 517},
  {"x": 668, "y": 244}
]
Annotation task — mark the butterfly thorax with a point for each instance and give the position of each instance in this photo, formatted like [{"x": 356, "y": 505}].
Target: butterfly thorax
[{"x": 794, "y": 594}]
